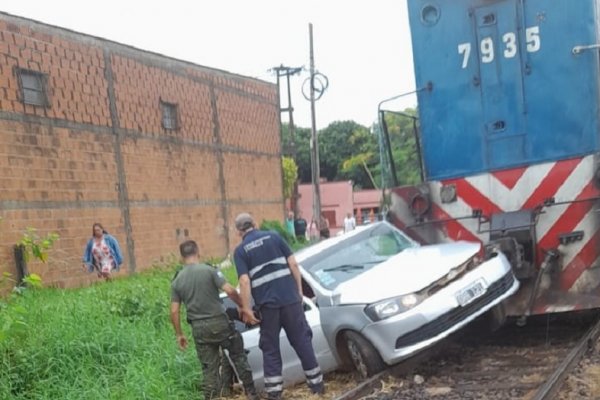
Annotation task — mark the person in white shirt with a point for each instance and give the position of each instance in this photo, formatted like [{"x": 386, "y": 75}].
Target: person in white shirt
[{"x": 349, "y": 223}]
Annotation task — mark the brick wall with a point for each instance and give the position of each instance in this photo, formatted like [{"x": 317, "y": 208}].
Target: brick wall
[{"x": 98, "y": 151}]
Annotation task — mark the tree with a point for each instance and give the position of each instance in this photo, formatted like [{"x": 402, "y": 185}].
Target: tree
[
  {"x": 356, "y": 166},
  {"x": 290, "y": 175},
  {"x": 302, "y": 145},
  {"x": 348, "y": 152},
  {"x": 404, "y": 147}
]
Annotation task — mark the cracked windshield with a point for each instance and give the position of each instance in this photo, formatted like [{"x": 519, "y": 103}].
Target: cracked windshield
[{"x": 357, "y": 254}]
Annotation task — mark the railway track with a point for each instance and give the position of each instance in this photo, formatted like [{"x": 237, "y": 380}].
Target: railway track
[{"x": 529, "y": 362}]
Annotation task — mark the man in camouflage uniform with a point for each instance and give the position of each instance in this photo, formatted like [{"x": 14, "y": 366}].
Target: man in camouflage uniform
[{"x": 197, "y": 286}]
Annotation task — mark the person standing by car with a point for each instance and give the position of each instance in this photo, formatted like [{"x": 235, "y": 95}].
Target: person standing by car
[
  {"x": 197, "y": 286},
  {"x": 102, "y": 253},
  {"x": 300, "y": 227},
  {"x": 289, "y": 224},
  {"x": 323, "y": 227},
  {"x": 313, "y": 231},
  {"x": 349, "y": 223},
  {"x": 268, "y": 272}
]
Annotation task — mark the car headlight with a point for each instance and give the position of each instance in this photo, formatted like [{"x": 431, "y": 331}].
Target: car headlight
[{"x": 394, "y": 306}]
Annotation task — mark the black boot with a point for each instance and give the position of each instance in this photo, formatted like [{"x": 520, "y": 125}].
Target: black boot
[
  {"x": 318, "y": 389},
  {"x": 274, "y": 396},
  {"x": 251, "y": 393}
]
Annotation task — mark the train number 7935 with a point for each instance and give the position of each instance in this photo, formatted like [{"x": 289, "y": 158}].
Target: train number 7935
[{"x": 510, "y": 49}]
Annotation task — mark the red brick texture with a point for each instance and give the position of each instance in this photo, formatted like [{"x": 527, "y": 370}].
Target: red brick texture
[{"x": 98, "y": 152}]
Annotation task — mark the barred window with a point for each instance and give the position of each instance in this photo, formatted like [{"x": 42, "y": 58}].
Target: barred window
[
  {"x": 33, "y": 87},
  {"x": 169, "y": 115}
]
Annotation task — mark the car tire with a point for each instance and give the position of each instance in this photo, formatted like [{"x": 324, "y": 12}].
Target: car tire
[
  {"x": 496, "y": 317},
  {"x": 364, "y": 356}
]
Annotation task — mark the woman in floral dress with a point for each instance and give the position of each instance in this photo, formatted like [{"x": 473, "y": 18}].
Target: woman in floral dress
[{"x": 102, "y": 253}]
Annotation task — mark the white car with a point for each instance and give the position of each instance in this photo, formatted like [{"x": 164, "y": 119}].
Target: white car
[{"x": 379, "y": 297}]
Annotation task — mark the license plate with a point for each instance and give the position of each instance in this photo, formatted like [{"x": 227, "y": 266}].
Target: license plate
[{"x": 470, "y": 293}]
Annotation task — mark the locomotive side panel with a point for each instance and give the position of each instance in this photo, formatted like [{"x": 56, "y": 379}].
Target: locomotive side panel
[{"x": 507, "y": 88}]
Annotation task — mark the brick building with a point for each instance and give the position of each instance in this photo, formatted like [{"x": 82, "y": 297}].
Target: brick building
[{"x": 156, "y": 149}]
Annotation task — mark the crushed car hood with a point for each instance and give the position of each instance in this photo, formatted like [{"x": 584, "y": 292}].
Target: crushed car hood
[{"x": 406, "y": 272}]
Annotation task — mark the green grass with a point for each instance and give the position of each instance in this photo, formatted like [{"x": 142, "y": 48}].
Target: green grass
[
  {"x": 231, "y": 275},
  {"x": 109, "y": 341}
]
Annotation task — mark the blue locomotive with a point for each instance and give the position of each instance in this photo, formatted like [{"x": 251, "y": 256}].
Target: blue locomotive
[{"x": 508, "y": 103}]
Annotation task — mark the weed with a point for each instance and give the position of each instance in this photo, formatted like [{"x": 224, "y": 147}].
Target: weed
[
  {"x": 108, "y": 341},
  {"x": 36, "y": 246},
  {"x": 12, "y": 320}
]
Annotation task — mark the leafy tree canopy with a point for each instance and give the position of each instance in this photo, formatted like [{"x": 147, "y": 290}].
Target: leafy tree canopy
[
  {"x": 290, "y": 175},
  {"x": 401, "y": 129},
  {"x": 350, "y": 151}
]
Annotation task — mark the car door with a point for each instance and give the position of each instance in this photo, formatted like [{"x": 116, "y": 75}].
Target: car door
[{"x": 292, "y": 369}]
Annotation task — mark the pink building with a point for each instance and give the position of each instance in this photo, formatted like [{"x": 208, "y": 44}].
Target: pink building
[
  {"x": 366, "y": 205},
  {"x": 338, "y": 199}
]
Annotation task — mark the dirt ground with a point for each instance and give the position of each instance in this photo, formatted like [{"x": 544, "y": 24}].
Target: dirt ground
[
  {"x": 584, "y": 381},
  {"x": 336, "y": 384}
]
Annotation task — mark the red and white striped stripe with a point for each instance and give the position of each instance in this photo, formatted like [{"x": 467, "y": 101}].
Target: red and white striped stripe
[{"x": 517, "y": 189}]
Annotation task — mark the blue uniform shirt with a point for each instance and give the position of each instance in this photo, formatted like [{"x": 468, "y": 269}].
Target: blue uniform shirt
[{"x": 262, "y": 255}]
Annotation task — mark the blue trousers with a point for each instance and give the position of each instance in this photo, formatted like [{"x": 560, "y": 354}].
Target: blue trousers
[{"x": 291, "y": 318}]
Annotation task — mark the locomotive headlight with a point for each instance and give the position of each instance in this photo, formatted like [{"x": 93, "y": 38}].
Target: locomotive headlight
[{"x": 394, "y": 306}]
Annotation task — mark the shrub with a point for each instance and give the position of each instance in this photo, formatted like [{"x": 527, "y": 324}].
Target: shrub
[
  {"x": 37, "y": 246},
  {"x": 274, "y": 225}
]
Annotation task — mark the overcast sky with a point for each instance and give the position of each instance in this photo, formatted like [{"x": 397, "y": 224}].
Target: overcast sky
[{"x": 363, "y": 47}]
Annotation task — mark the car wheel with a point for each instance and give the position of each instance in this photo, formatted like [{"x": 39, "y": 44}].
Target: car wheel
[
  {"x": 496, "y": 317},
  {"x": 364, "y": 356}
]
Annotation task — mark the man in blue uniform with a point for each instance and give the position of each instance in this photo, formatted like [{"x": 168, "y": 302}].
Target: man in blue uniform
[
  {"x": 268, "y": 271},
  {"x": 197, "y": 286}
]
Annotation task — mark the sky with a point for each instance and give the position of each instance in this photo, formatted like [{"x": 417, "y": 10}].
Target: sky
[{"x": 363, "y": 47}]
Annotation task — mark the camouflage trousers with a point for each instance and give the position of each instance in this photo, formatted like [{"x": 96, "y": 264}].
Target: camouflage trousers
[{"x": 212, "y": 336}]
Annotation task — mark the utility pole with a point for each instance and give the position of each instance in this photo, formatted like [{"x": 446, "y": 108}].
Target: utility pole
[
  {"x": 288, "y": 72},
  {"x": 318, "y": 85},
  {"x": 314, "y": 141}
]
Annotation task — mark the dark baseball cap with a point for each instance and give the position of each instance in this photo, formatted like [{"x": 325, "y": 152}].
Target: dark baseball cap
[{"x": 244, "y": 221}]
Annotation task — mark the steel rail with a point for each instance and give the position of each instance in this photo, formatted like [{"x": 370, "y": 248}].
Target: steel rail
[
  {"x": 365, "y": 387},
  {"x": 374, "y": 383},
  {"x": 555, "y": 381},
  {"x": 544, "y": 392}
]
